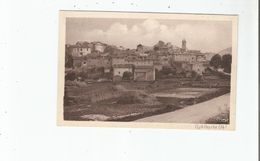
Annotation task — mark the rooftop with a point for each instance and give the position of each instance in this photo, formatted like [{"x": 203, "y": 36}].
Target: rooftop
[
  {"x": 144, "y": 67},
  {"x": 122, "y": 65}
]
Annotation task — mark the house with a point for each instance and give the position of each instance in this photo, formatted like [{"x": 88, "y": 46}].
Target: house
[
  {"x": 119, "y": 69},
  {"x": 164, "y": 58},
  {"x": 142, "y": 62},
  {"x": 144, "y": 73},
  {"x": 99, "y": 47},
  {"x": 97, "y": 61},
  {"x": 184, "y": 57},
  {"x": 80, "y": 49},
  {"x": 199, "y": 67},
  {"x": 143, "y": 51},
  {"x": 158, "y": 65},
  {"x": 119, "y": 60}
]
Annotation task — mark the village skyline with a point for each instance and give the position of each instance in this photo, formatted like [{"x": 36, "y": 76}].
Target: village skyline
[
  {"x": 150, "y": 47},
  {"x": 208, "y": 36}
]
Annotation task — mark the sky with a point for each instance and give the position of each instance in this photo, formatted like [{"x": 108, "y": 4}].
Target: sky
[{"x": 207, "y": 36}]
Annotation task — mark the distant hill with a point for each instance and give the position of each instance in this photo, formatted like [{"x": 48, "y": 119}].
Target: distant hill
[
  {"x": 226, "y": 51},
  {"x": 209, "y": 55}
]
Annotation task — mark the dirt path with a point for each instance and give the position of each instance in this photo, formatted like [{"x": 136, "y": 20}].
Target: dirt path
[{"x": 198, "y": 113}]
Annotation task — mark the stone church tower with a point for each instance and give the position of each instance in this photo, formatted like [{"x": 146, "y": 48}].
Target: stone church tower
[{"x": 183, "y": 46}]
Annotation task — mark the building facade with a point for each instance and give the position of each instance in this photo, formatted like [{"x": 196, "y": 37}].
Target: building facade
[
  {"x": 80, "y": 51},
  {"x": 118, "y": 70},
  {"x": 144, "y": 73}
]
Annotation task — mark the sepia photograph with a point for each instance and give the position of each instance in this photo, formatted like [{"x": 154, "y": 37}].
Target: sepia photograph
[{"x": 147, "y": 70}]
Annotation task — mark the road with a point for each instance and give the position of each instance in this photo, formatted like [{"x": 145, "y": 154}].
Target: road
[{"x": 197, "y": 113}]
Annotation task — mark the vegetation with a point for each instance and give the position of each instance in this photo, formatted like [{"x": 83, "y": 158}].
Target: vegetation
[
  {"x": 216, "y": 61},
  {"x": 92, "y": 73},
  {"x": 222, "y": 62},
  {"x": 226, "y": 63},
  {"x": 127, "y": 75},
  {"x": 68, "y": 57}
]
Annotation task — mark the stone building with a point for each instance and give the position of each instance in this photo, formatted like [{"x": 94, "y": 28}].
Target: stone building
[
  {"x": 144, "y": 73},
  {"x": 97, "y": 61},
  {"x": 119, "y": 69},
  {"x": 141, "y": 62},
  {"x": 78, "y": 51},
  {"x": 99, "y": 47},
  {"x": 199, "y": 67},
  {"x": 184, "y": 57}
]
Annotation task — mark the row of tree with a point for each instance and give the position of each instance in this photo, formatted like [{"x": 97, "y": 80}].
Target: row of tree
[{"x": 218, "y": 61}]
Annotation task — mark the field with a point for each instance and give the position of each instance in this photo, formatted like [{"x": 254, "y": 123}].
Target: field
[{"x": 128, "y": 100}]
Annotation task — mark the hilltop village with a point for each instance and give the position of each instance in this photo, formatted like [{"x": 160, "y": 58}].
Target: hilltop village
[
  {"x": 111, "y": 83},
  {"x": 140, "y": 64}
]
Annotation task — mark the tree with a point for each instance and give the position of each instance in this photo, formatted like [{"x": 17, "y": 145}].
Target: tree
[
  {"x": 215, "y": 61},
  {"x": 226, "y": 63},
  {"x": 127, "y": 75}
]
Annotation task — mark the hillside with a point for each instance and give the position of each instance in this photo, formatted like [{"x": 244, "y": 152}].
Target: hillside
[
  {"x": 226, "y": 51},
  {"x": 222, "y": 52}
]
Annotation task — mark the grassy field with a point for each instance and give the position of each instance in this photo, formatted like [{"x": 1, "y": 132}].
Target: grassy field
[{"x": 127, "y": 101}]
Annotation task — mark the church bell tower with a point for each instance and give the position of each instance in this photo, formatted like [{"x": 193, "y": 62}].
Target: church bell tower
[{"x": 183, "y": 46}]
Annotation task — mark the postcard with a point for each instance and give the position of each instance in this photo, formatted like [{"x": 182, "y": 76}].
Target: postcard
[{"x": 147, "y": 70}]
